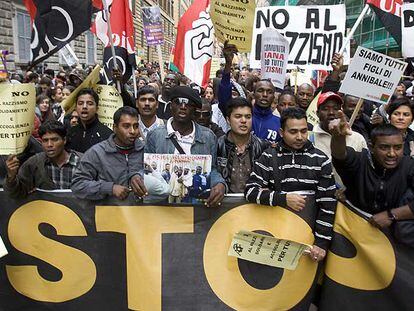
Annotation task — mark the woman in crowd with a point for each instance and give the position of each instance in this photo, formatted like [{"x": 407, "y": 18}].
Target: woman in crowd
[
  {"x": 43, "y": 108},
  {"x": 401, "y": 112}
]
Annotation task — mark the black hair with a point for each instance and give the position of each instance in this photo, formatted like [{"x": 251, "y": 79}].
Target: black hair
[
  {"x": 88, "y": 91},
  {"x": 286, "y": 93},
  {"x": 237, "y": 102},
  {"x": 52, "y": 126},
  {"x": 126, "y": 110},
  {"x": 147, "y": 89},
  {"x": 384, "y": 130},
  {"x": 264, "y": 80},
  {"x": 292, "y": 113},
  {"x": 398, "y": 102},
  {"x": 45, "y": 80}
]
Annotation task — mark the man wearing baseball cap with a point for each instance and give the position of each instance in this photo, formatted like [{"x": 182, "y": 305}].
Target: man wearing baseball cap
[
  {"x": 328, "y": 106},
  {"x": 183, "y": 136}
]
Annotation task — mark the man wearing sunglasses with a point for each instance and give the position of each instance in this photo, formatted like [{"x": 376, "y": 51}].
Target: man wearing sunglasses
[
  {"x": 203, "y": 117},
  {"x": 183, "y": 136}
]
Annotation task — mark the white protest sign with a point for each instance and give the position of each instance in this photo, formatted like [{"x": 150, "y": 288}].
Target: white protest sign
[
  {"x": 275, "y": 54},
  {"x": 407, "y": 30},
  {"x": 372, "y": 76},
  {"x": 315, "y": 33}
]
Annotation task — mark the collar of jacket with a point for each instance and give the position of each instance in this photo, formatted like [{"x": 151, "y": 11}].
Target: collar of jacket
[
  {"x": 306, "y": 147},
  {"x": 110, "y": 147},
  {"x": 197, "y": 135},
  {"x": 90, "y": 125},
  {"x": 233, "y": 145},
  {"x": 262, "y": 112}
]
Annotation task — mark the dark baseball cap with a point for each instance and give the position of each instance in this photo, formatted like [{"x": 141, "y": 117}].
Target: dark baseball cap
[{"x": 186, "y": 93}]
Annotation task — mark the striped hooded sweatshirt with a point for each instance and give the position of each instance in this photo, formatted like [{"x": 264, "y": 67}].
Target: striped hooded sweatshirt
[{"x": 307, "y": 171}]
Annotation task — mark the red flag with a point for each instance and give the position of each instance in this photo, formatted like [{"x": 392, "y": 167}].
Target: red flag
[
  {"x": 194, "y": 45},
  {"x": 122, "y": 37}
]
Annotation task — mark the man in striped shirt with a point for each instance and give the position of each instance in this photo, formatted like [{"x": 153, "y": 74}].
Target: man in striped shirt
[{"x": 296, "y": 175}]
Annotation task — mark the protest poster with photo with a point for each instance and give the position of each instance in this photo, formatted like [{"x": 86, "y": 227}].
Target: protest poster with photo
[
  {"x": 275, "y": 54},
  {"x": 17, "y": 111},
  {"x": 187, "y": 175},
  {"x": 151, "y": 17},
  {"x": 314, "y": 33},
  {"x": 233, "y": 22},
  {"x": 109, "y": 102},
  {"x": 407, "y": 30},
  {"x": 372, "y": 76}
]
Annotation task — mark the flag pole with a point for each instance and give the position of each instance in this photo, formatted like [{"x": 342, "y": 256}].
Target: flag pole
[
  {"x": 134, "y": 79},
  {"x": 160, "y": 62},
  {"x": 351, "y": 33},
  {"x": 105, "y": 5}
]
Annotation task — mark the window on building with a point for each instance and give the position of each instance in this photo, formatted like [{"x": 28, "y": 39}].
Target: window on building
[
  {"x": 22, "y": 36},
  {"x": 90, "y": 48}
]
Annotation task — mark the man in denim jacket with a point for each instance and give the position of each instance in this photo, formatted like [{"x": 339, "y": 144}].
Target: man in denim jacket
[{"x": 190, "y": 136}]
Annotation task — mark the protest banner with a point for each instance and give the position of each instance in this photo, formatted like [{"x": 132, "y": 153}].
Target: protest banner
[
  {"x": 314, "y": 33},
  {"x": 372, "y": 76},
  {"x": 215, "y": 65},
  {"x": 233, "y": 22},
  {"x": 109, "y": 102},
  {"x": 407, "y": 30},
  {"x": 17, "y": 112},
  {"x": 311, "y": 114},
  {"x": 267, "y": 250},
  {"x": 275, "y": 54},
  {"x": 91, "y": 80},
  {"x": 152, "y": 21}
]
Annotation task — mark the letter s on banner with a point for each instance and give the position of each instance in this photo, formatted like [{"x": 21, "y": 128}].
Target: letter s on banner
[
  {"x": 368, "y": 269},
  {"x": 78, "y": 269},
  {"x": 223, "y": 273}
]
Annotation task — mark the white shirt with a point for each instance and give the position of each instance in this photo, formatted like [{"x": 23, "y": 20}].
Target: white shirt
[
  {"x": 144, "y": 130},
  {"x": 184, "y": 141}
]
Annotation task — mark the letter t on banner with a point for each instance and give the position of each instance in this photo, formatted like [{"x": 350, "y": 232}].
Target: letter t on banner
[{"x": 274, "y": 57}]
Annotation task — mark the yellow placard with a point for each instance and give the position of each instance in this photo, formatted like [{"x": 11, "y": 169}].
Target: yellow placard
[
  {"x": 109, "y": 102},
  {"x": 233, "y": 21},
  {"x": 17, "y": 110},
  {"x": 311, "y": 111},
  {"x": 215, "y": 65},
  {"x": 267, "y": 250},
  {"x": 91, "y": 80}
]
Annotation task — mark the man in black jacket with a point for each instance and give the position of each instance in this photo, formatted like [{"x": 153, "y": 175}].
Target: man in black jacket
[
  {"x": 376, "y": 182},
  {"x": 89, "y": 131},
  {"x": 297, "y": 175},
  {"x": 239, "y": 148}
]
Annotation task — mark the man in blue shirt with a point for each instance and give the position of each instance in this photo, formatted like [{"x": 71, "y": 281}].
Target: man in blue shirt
[{"x": 265, "y": 125}]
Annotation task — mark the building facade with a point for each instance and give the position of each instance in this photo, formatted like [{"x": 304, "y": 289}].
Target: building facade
[{"x": 15, "y": 34}]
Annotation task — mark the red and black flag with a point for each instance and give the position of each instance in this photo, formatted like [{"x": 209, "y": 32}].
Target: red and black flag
[
  {"x": 122, "y": 27},
  {"x": 57, "y": 22}
]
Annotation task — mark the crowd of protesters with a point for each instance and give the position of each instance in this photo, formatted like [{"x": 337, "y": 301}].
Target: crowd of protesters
[{"x": 259, "y": 137}]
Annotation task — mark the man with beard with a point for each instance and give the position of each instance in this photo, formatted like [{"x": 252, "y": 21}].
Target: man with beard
[
  {"x": 113, "y": 167},
  {"x": 375, "y": 181},
  {"x": 51, "y": 169},
  {"x": 298, "y": 176},
  {"x": 164, "y": 111},
  {"x": 183, "y": 136},
  {"x": 147, "y": 105},
  {"x": 89, "y": 130}
]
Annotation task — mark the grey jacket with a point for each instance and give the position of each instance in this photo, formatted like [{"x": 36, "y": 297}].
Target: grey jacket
[
  {"x": 102, "y": 166},
  {"x": 205, "y": 142}
]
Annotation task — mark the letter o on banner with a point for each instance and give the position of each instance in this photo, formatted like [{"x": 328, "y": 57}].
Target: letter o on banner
[{"x": 223, "y": 273}]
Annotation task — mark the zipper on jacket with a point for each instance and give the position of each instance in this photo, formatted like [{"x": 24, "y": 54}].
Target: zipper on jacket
[{"x": 84, "y": 134}]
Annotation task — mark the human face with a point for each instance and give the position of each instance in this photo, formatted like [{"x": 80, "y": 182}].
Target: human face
[
  {"x": 53, "y": 145},
  {"x": 126, "y": 132},
  {"x": 400, "y": 90},
  {"x": 182, "y": 112},
  {"x": 147, "y": 105},
  {"x": 58, "y": 96},
  {"x": 402, "y": 117},
  {"x": 305, "y": 96},
  {"x": 240, "y": 121},
  {"x": 44, "y": 105},
  {"x": 295, "y": 133},
  {"x": 264, "y": 94},
  {"x": 327, "y": 112},
  {"x": 203, "y": 115},
  {"x": 74, "y": 118},
  {"x": 65, "y": 93},
  {"x": 244, "y": 74},
  {"x": 169, "y": 82},
  {"x": 44, "y": 87},
  {"x": 286, "y": 101},
  {"x": 86, "y": 108},
  {"x": 388, "y": 150},
  {"x": 141, "y": 83},
  {"x": 209, "y": 94},
  {"x": 350, "y": 104}
]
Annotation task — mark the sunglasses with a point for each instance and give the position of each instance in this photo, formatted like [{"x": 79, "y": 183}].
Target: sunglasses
[
  {"x": 181, "y": 100},
  {"x": 203, "y": 113}
]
